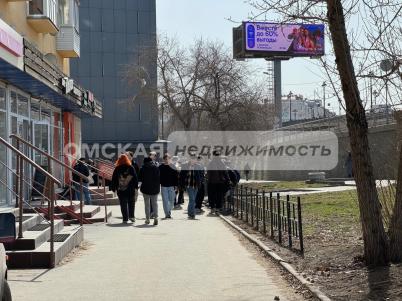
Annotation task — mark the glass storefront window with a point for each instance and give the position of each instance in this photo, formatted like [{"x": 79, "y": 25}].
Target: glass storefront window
[
  {"x": 35, "y": 112},
  {"x": 45, "y": 115},
  {"x": 3, "y": 160},
  {"x": 14, "y": 105},
  {"x": 2, "y": 99},
  {"x": 23, "y": 108}
]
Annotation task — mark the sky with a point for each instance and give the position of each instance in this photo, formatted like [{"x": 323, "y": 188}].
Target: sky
[{"x": 191, "y": 19}]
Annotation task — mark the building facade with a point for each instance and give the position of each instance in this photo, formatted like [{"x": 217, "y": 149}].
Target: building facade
[
  {"x": 297, "y": 108},
  {"x": 39, "y": 101},
  {"x": 115, "y": 34}
]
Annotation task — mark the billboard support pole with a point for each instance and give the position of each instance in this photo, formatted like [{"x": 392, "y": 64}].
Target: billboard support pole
[{"x": 278, "y": 92}]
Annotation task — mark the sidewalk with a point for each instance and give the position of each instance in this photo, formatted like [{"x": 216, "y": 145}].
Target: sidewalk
[{"x": 178, "y": 260}]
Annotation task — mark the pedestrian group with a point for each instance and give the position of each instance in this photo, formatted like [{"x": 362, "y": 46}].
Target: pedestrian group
[{"x": 172, "y": 178}]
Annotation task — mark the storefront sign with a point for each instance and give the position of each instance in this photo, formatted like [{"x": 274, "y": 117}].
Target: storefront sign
[
  {"x": 67, "y": 84},
  {"x": 11, "y": 40}
]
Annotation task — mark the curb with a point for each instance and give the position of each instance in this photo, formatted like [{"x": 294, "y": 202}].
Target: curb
[{"x": 314, "y": 290}]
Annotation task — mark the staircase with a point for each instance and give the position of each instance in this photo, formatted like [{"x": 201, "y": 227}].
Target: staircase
[
  {"x": 70, "y": 214},
  {"x": 97, "y": 196},
  {"x": 33, "y": 250}
]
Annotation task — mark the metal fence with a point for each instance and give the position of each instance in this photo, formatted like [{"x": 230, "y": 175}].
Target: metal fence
[{"x": 273, "y": 215}]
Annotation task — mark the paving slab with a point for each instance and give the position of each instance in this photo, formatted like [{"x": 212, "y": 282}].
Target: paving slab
[{"x": 180, "y": 259}]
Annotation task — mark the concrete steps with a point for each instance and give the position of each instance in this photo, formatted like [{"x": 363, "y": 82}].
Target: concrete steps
[
  {"x": 111, "y": 198},
  {"x": 72, "y": 236},
  {"x": 35, "y": 236}
]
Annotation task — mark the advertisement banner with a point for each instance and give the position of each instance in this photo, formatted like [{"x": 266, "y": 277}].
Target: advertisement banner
[{"x": 285, "y": 39}]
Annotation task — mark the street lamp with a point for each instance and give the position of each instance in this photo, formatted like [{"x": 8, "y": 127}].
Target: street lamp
[
  {"x": 290, "y": 105},
  {"x": 324, "y": 84},
  {"x": 371, "y": 74}
]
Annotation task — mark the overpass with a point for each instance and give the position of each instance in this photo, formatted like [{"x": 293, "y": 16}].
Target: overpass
[{"x": 382, "y": 140}]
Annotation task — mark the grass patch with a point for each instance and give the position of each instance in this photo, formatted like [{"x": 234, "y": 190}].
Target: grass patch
[
  {"x": 282, "y": 185},
  {"x": 337, "y": 211}
]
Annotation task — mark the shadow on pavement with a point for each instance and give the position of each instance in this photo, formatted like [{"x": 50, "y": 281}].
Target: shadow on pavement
[{"x": 119, "y": 225}]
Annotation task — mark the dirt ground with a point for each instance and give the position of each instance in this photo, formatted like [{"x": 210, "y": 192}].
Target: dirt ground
[{"x": 333, "y": 262}]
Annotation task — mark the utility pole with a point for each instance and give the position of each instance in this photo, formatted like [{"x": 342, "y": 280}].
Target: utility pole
[
  {"x": 371, "y": 90},
  {"x": 162, "y": 123},
  {"x": 278, "y": 92},
  {"x": 290, "y": 105},
  {"x": 324, "y": 84}
]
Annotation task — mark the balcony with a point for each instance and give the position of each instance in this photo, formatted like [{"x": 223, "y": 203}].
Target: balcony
[
  {"x": 42, "y": 16},
  {"x": 68, "y": 42}
]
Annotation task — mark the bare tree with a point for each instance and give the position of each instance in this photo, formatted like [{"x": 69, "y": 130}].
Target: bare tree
[
  {"x": 352, "y": 62},
  {"x": 202, "y": 86}
]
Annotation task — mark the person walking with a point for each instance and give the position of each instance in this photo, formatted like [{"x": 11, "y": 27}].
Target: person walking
[
  {"x": 169, "y": 180},
  {"x": 149, "y": 177},
  {"x": 130, "y": 156},
  {"x": 199, "y": 199},
  {"x": 218, "y": 181},
  {"x": 193, "y": 175},
  {"x": 81, "y": 167},
  {"x": 125, "y": 183}
]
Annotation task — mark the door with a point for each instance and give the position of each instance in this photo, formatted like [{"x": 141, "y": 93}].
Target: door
[
  {"x": 41, "y": 139},
  {"x": 20, "y": 127}
]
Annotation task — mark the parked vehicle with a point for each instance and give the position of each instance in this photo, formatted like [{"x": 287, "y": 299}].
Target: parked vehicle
[{"x": 7, "y": 235}]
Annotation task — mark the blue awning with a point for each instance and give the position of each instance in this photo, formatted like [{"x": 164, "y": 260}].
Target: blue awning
[{"x": 38, "y": 89}]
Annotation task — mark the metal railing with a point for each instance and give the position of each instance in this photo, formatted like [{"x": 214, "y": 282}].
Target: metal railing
[
  {"x": 80, "y": 184},
  {"x": 102, "y": 184},
  {"x": 375, "y": 117},
  {"x": 21, "y": 159},
  {"x": 280, "y": 218}
]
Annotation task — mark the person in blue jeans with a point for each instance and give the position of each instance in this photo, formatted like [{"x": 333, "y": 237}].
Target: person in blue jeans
[
  {"x": 169, "y": 178},
  {"x": 193, "y": 175},
  {"x": 81, "y": 167}
]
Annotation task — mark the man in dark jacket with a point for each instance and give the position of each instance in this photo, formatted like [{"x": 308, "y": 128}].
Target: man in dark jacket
[
  {"x": 169, "y": 180},
  {"x": 149, "y": 177},
  {"x": 218, "y": 182},
  {"x": 83, "y": 169},
  {"x": 125, "y": 183}
]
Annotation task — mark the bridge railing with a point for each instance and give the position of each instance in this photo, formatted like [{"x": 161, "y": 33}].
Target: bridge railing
[{"x": 375, "y": 117}]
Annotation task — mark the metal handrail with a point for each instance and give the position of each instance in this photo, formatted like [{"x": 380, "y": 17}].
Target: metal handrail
[
  {"x": 28, "y": 160},
  {"x": 20, "y": 185},
  {"x": 80, "y": 175},
  {"x": 42, "y": 152}
]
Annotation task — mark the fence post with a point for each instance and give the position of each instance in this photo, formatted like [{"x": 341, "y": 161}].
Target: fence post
[
  {"x": 246, "y": 205},
  {"x": 264, "y": 208},
  {"x": 299, "y": 219},
  {"x": 237, "y": 200},
  {"x": 289, "y": 221},
  {"x": 252, "y": 208},
  {"x": 257, "y": 203},
  {"x": 271, "y": 213},
  {"x": 279, "y": 217},
  {"x": 241, "y": 203}
]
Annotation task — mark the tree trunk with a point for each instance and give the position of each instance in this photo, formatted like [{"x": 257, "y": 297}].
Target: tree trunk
[
  {"x": 376, "y": 247},
  {"x": 395, "y": 229}
]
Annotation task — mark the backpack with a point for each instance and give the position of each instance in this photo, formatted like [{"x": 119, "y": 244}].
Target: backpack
[{"x": 124, "y": 181}]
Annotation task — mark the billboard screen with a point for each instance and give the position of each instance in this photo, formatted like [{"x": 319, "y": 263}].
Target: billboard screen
[{"x": 284, "y": 39}]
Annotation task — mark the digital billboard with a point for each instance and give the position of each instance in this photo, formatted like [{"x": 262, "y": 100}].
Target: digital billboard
[{"x": 289, "y": 40}]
